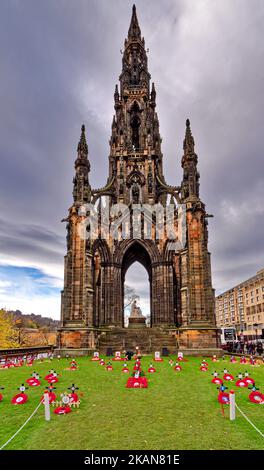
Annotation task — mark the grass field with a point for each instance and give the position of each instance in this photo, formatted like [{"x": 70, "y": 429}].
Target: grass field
[{"x": 177, "y": 411}]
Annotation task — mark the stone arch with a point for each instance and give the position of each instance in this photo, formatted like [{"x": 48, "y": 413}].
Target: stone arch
[
  {"x": 148, "y": 245},
  {"x": 136, "y": 252}
]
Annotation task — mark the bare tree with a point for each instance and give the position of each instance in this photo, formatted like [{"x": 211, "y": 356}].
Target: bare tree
[{"x": 129, "y": 296}]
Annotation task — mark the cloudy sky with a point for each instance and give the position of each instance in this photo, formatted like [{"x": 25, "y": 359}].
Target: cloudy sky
[{"x": 60, "y": 60}]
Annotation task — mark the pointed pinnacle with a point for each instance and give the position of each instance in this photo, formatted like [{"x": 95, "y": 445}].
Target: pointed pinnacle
[
  {"x": 134, "y": 29},
  {"x": 188, "y": 143},
  {"x": 82, "y": 145},
  {"x": 116, "y": 94}
]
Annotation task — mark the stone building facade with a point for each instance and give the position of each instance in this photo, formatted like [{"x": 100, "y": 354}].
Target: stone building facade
[
  {"x": 242, "y": 307},
  {"x": 181, "y": 293}
]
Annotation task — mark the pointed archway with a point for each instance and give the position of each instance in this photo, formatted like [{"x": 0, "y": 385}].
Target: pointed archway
[
  {"x": 136, "y": 287},
  {"x": 136, "y": 253}
]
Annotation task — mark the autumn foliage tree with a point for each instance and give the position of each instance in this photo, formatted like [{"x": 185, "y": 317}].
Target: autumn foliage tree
[{"x": 8, "y": 331}]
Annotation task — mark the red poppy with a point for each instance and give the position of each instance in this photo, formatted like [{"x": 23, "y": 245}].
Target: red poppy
[
  {"x": 178, "y": 368},
  {"x": 241, "y": 383},
  {"x": 151, "y": 369},
  {"x": 109, "y": 367},
  {"x": 53, "y": 380},
  {"x": 223, "y": 398},
  {"x": 33, "y": 382},
  {"x": 73, "y": 397},
  {"x": 249, "y": 380},
  {"x": 217, "y": 381},
  {"x": 125, "y": 370},
  {"x": 1, "y": 397},
  {"x": 203, "y": 369},
  {"x": 19, "y": 399},
  {"x": 47, "y": 377},
  {"x": 228, "y": 377},
  {"x": 62, "y": 410},
  {"x": 256, "y": 397}
]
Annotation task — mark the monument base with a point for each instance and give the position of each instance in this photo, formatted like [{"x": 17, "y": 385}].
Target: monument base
[{"x": 136, "y": 322}]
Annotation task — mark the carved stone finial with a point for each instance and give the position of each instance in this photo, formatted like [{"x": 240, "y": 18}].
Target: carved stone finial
[{"x": 82, "y": 145}]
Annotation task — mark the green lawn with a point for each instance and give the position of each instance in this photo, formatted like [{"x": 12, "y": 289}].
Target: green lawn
[{"x": 177, "y": 411}]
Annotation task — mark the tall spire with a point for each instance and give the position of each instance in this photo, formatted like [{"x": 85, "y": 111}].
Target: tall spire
[
  {"x": 82, "y": 147},
  {"x": 134, "y": 29},
  {"x": 135, "y": 61},
  {"x": 190, "y": 183},
  {"x": 188, "y": 143},
  {"x": 81, "y": 186}
]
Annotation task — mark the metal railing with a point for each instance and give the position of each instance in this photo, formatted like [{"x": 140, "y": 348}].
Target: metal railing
[{"x": 25, "y": 351}]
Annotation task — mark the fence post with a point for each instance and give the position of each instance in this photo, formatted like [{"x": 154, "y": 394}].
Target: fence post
[
  {"x": 232, "y": 400},
  {"x": 47, "y": 406}
]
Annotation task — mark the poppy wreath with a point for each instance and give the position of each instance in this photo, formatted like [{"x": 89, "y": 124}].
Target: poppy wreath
[
  {"x": 241, "y": 383},
  {"x": 47, "y": 377},
  {"x": 228, "y": 377},
  {"x": 125, "y": 370},
  {"x": 109, "y": 367},
  {"x": 223, "y": 398},
  {"x": 249, "y": 380},
  {"x": 140, "y": 382},
  {"x": 203, "y": 369},
  {"x": 217, "y": 381},
  {"x": 33, "y": 382},
  {"x": 53, "y": 380},
  {"x": 256, "y": 397},
  {"x": 178, "y": 368},
  {"x": 62, "y": 410},
  {"x": 19, "y": 399}
]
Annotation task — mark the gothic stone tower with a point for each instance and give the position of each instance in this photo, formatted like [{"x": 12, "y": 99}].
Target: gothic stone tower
[{"x": 181, "y": 294}]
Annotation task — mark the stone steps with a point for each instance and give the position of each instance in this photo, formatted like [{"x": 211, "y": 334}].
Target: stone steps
[{"x": 148, "y": 340}]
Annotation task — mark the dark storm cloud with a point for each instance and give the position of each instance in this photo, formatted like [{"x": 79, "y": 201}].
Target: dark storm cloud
[{"x": 59, "y": 63}]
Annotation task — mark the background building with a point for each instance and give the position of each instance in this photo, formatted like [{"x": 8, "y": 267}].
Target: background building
[{"x": 242, "y": 308}]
